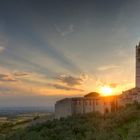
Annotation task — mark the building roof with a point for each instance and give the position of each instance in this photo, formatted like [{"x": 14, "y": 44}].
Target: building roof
[
  {"x": 92, "y": 94},
  {"x": 135, "y": 89}
]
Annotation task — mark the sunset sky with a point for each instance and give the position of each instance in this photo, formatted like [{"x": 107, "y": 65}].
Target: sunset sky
[{"x": 50, "y": 49}]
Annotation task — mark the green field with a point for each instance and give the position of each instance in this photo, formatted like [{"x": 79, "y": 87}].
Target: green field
[{"x": 20, "y": 122}]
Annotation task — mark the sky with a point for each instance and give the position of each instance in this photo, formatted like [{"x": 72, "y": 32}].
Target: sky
[{"x": 51, "y": 49}]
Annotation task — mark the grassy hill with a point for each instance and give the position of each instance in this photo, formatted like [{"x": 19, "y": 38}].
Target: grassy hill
[{"x": 121, "y": 125}]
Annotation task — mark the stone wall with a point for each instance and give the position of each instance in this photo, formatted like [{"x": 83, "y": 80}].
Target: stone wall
[
  {"x": 63, "y": 108},
  {"x": 72, "y": 106}
]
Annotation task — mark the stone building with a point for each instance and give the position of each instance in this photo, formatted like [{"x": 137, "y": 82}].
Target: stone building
[
  {"x": 129, "y": 96},
  {"x": 133, "y": 95},
  {"x": 88, "y": 103},
  {"x": 93, "y": 102},
  {"x": 138, "y": 66}
]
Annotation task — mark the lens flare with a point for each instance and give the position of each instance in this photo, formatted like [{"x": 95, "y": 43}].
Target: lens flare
[{"x": 106, "y": 91}]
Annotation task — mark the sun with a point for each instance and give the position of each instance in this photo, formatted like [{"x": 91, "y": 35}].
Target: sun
[{"x": 106, "y": 91}]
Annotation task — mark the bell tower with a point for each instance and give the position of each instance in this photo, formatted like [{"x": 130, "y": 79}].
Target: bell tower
[{"x": 138, "y": 66}]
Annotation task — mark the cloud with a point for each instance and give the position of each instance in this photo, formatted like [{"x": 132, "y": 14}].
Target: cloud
[
  {"x": 70, "y": 80},
  {"x": 107, "y": 67},
  {"x": 7, "y": 78},
  {"x": 114, "y": 85},
  {"x": 12, "y": 77},
  {"x": 20, "y": 74},
  {"x": 64, "y": 30},
  {"x": 57, "y": 86},
  {"x": 84, "y": 76},
  {"x": 1, "y": 49}
]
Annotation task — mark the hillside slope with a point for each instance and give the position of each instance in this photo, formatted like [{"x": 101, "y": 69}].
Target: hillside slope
[{"x": 121, "y": 125}]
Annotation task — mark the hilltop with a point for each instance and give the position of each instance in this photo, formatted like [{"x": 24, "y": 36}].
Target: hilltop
[{"x": 121, "y": 125}]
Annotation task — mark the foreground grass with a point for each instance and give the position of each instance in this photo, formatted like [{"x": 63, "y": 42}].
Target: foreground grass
[{"x": 121, "y": 125}]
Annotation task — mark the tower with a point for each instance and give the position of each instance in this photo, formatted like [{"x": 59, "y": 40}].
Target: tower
[{"x": 138, "y": 66}]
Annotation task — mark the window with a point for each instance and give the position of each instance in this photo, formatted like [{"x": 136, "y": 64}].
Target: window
[
  {"x": 138, "y": 59},
  {"x": 106, "y": 110},
  {"x": 96, "y": 102},
  {"x": 79, "y": 103}
]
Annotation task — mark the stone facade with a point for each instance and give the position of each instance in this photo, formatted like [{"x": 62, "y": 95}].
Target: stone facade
[
  {"x": 138, "y": 66},
  {"x": 130, "y": 96},
  {"x": 133, "y": 95},
  {"x": 72, "y": 106}
]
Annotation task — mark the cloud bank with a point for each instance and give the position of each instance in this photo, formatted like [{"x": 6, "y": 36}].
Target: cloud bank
[
  {"x": 70, "y": 80},
  {"x": 62, "y": 87}
]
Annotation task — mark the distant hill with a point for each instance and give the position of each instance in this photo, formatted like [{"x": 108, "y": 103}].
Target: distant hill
[
  {"x": 12, "y": 111},
  {"x": 121, "y": 125}
]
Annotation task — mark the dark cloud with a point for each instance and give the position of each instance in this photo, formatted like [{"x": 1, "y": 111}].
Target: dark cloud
[
  {"x": 70, "y": 80},
  {"x": 20, "y": 74},
  {"x": 57, "y": 86},
  {"x": 12, "y": 77},
  {"x": 7, "y": 78}
]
